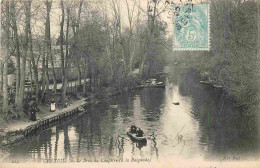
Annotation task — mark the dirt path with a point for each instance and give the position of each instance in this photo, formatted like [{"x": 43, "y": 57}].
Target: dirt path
[{"x": 44, "y": 113}]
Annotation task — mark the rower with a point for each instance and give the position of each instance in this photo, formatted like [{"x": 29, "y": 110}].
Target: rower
[
  {"x": 139, "y": 133},
  {"x": 133, "y": 129}
]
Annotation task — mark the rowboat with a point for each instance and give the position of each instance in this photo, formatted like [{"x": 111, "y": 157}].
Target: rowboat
[
  {"x": 218, "y": 86},
  {"x": 152, "y": 86},
  {"x": 207, "y": 82},
  {"x": 81, "y": 109},
  {"x": 114, "y": 106},
  {"x": 160, "y": 85},
  {"x": 133, "y": 136}
]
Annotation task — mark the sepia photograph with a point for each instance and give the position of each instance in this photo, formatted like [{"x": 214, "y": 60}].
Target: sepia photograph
[{"x": 130, "y": 83}]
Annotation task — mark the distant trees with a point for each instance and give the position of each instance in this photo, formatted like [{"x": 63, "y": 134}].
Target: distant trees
[
  {"x": 232, "y": 60},
  {"x": 94, "y": 44},
  {"x": 240, "y": 73}
]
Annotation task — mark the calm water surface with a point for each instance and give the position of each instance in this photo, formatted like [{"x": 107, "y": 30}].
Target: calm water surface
[{"x": 201, "y": 119}]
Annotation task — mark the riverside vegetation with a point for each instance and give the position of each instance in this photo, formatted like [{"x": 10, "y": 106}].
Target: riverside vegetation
[{"x": 94, "y": 42}]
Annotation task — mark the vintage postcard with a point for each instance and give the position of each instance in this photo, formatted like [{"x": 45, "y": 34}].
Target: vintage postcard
[{"x": 130, "y": 83}]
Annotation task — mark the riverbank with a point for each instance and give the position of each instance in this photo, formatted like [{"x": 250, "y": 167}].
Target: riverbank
[
  {"x": 14, "y": 131},
  {"x": 11, "y": 131}
]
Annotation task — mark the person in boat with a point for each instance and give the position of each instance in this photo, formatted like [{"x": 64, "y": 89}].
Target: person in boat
[
  {"x": 139, "y": 133},
  {"x": 133, "y": 129}
]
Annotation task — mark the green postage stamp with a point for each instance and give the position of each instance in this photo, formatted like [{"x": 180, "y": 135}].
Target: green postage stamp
[{"x": 191, "y": 27}]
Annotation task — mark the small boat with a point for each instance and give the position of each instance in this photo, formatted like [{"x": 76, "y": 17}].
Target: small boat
[
  {"x": 208, "y": 82},
  {"x": 159, "y": 86},
  {"x": 176, "y": 103},
  {"x": 114, "y": 106},
  {"x": 148, "y": 81},
  {"x": 97, "y": 102},
  {"x": 133, "y": 135},
  {"x": 218, "y": 86},
  {"x": 152, "y": 86},
  {"x": 81, "y": 109}
]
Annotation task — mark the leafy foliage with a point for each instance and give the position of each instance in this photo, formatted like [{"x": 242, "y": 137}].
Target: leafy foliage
[{"x": 232, "y": 60}]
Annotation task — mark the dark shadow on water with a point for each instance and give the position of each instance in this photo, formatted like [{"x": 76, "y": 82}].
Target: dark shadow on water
[{"x": 224, "y": 128}]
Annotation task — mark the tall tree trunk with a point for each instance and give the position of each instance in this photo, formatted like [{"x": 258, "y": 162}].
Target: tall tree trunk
[
  {"x": 43, "y": 81},
  {"x": 17, "y": 48},
  {"x": 31, "y": 78},
  {"x": 110, "y": 61},
  {"x": 23, "y": 70},
  {"x": 85, "y": 76},
  {"x": 47, "y": 79},
  {"x": 62, "y": 56},
  {"x": 67, "y": 62},
  {"x": 130, "y": 38},
  {"x": 79, "y": 73},
  {"x": 77, "y": 30},
  {"x": 149, "y": 36},
  {"x": 34, "y": 66},
  {"x": 1, "y": 74},
  {"x": 48, "y": 43},
  {"x": 54, "y": 75},
  {"x": 89, "y": 73},
  {"x": 5, "y": 72},
  {"x": 141, "y": 69}
]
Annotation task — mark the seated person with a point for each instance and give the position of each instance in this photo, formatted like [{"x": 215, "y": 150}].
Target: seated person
[
  {"x": 133, "y": 129},
  {"x": 139, "y": 133}
]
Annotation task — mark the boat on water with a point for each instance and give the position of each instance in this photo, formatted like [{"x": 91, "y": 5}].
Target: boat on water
[
  {"x": 211, "y": 83},
  {"x": 153, "y": 85},
  {"x": 207, "y": 82},
  {"x": 157, "y": 86},
  {"x": 176, "y": 103},
  {"x": 149, "y": 81},
  {"x": 218, "y": 86},
  {"x": 114, "y": 106},
  {"x": 160, "y": 85},
  {"x": 134, "y": 137},
  {"x": 81, "y": 109}
]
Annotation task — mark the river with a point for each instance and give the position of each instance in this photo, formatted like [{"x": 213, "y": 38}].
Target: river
[{"x": 204, "y": 125}]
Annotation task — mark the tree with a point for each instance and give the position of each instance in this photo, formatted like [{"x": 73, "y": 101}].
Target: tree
[
  {"x": 7, "y": 54},
  {"x": 34, "y": 63},
  {"x": 17, "y": 48},
  {"x": 64, "y": 59},
  {"x": 24, "y": 56},
  {"x": 154, "y": 9},
  {"x": 132, "y": 46},
  {"x": 48, "y": 4},
  {"x": 75, "y": 27}
]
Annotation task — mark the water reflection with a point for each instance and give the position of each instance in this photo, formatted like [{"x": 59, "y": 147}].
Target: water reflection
[{"x": 204, "y": 124}]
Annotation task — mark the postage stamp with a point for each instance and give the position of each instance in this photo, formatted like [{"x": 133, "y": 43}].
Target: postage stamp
[{"x": 191, "y": 27}]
